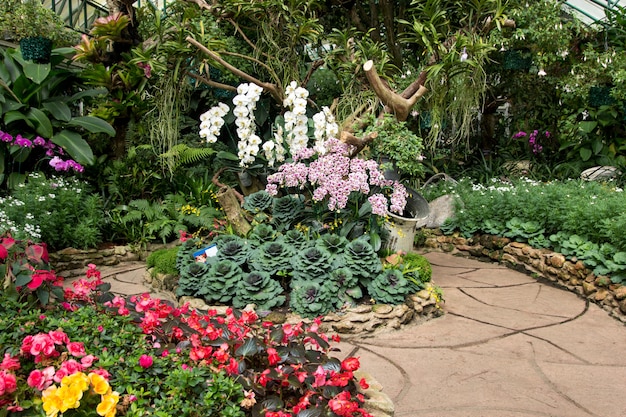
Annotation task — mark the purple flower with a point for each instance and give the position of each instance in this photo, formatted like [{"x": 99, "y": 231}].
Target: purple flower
[
  {"x": 23, "y": 142},
  {"x": 39, "y": 141},
  {"x": 58, "y": 164},
  {"x": 5, "y": 137},
  {"x": 379, "y": 204},
  {"x": 519, "y": 134}
]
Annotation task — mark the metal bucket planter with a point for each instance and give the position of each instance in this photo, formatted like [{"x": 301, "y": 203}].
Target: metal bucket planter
[
  {"x": 37, "y": 49},
  {"x": 402, "y": 229}
]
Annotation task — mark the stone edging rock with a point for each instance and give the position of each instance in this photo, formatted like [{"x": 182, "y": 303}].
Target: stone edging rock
[{"x": 553, "y": 266}]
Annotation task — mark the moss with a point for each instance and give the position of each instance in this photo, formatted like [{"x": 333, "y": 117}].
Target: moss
[{"x": 163, "y": 261}]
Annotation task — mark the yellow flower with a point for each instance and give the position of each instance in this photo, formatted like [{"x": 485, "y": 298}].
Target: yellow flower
[
  {"x": 99, "y": 384},
  {"x": 51, "y": 401},
  {"x": 106, "y": 407}
]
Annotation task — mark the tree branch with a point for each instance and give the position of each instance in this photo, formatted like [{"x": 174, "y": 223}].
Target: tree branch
[
  {"x": 397, "y": 104},
  {"x": 270, "y": 88},
  {"x": 211, "y": 83}
]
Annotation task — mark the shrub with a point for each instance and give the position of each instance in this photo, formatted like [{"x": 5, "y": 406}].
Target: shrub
[
  {"x": 59, "y": 211},
  {"x": 164, "y": 261}
]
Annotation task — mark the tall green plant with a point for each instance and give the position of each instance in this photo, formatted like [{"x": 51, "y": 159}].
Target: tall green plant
[{"x": 45, "y": 100}]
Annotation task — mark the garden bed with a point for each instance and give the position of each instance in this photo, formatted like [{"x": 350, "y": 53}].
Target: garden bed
[{"x": 571, "y": 274}]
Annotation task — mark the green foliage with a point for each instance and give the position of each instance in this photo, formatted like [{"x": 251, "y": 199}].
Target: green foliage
[
  {"x": 312, "y": 264},
  {"x": 389, "y": 287},
  {"x": 416, "y": 269},
  {"x": 234, "y": 249},
  {"x": 40, "y": 100},
  {"x": 257, "y": 202},
  {"x": 311, "y": 299},
  {"x": 220, "y": 284},
  {"x": 272, "y": 257},
  {"x": 360, "y": 257},
  {"x": 142, "y": 221},
  {"x": 192, "y": 278},
  {"x": 61, "y": 212},
  {"x": 260, "y": 289},
  {"x": 164, "y": 261},
  {"x": 576, "y": 218},
  {"x": 398, "y": 143},
  {"x": 29, "y": 18},
  {"x": 286, "y": 210}
]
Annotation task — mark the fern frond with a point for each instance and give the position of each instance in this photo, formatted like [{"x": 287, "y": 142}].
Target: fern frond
[{"x": 183, "y": 154}]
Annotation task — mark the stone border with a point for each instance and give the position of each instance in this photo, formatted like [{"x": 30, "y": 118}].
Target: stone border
[
  {"x": 572, "y": 274},
  {"x": 359, "y": 320}
]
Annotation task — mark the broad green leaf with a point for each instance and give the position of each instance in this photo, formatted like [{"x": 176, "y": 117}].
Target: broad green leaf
[
  {"x": 366, "y": 208},
  {"x": 93, "y": 92},
  {"x": 5, "y": 75},
  {"x": 375, "y": 241},
  {"x": 11, "y": 105},
  {"x": 620, "y": 258},
  {"x": 43, "y": 126},
  {"x": 93, "y": 125},
  {"x": 249, "y": 348},
  {"x": 585, "y": 154},
  {"x": 37, "y": 73},
  {"x": 43, "y": 295},
  {"x": 22, "y": 279},
  {"x": 75, "y": 146},
  {"x": 597, "y": 146},
  {"x": 227, "y": 155},
  {"x": 12, "y": 116},
  {"x": 587, "y": 126},
  {"x": 59, "y": 110}
]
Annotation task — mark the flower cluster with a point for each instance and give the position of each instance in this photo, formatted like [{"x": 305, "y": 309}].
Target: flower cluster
[
  {"x": 325, "y": 128},
  {"x": 334, "y": 176},
  {"x": 43, "y": 360},
  {"x": 71, "y": 391},
  {"x": 211, "y": 122},
  {"x": 533, "y": 141},
  {"x": 58, "y": 163},
  {"x": 245, "y": 104}
]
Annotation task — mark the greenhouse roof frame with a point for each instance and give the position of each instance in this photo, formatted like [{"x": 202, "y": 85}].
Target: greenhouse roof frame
[{"x": 592, "y": 11}]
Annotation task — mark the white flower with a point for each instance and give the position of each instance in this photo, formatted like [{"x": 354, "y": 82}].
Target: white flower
[
  {"x": 241, "y": 111},
  {"x": 541, "y": 73},
  {"x": 241, "y": 100},
  {"x": 243, "y": 88},
  {"x": 255, "y": 91}
]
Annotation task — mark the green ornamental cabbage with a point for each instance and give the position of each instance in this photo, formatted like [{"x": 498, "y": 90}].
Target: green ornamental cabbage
[
  {"x": 221, "y": 282},
  {"x": 185, "y": 254},
  {"x": 345, "y": 287},
  {"x": 285, "y": 210},
  {"x": 296, "y": 240},
  {"x": 261, "y": 233},
  {"x": 259, "y": 289},
  {"x": 310, "y": 299},
  {"x": 257, "y": 202},
  {"x": 362, "y": 260},
  {"x": 272, "y": 257},
  {"x": 191, "y": 278},
  {"x": 235, "y": 249},
  {"x": 312, "y": 263},
  {"x": 389, "y": 287},
  {"x": 332, "y": 242}
]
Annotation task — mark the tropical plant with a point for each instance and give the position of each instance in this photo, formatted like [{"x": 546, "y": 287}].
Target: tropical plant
[
  {"x": 20, "y": 19},
  {"x": 42, "y": 100}
]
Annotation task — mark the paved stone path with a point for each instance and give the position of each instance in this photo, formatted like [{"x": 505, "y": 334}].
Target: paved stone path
[{"x": 508, "y": 346}]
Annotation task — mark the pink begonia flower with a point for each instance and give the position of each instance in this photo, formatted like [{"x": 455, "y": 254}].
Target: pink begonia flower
[
  {"x": 88, "y": 360},
  {"x": 67, "y": 368},
  {"x": 320, "y": 377},
  {"x": 145, "y": 361},
  {"x": 42, "y": 344},
  {"x": 10, "y": 363},
  {"x": 8, "y": 383},
  {"x": 76, "y": 349},
  {"x": 41, "y": 379},
  {"x": 58, "y": 337}
]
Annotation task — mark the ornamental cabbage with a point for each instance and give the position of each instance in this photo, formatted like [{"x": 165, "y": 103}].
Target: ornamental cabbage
[
  {"x": 389, "y": 287},
  {"x": 191, "y": 278},
  {"x": 310, "y": 299},
  {"x": 259, "y": 289},
  {"x": 362, "y": 260},
  {"x": 272, "y": 257},
  {"x": 221, "y": 281}
]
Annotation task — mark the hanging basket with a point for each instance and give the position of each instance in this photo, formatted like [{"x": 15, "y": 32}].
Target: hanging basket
[
  {"x": 516, "y": 60},
  {"x": 37, "y": 49},
  {"x": 600, "y": 96}
]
